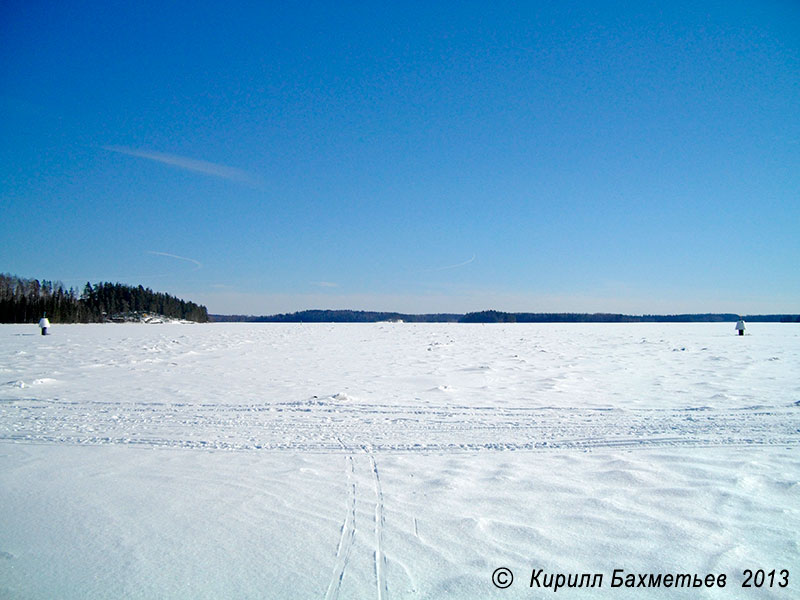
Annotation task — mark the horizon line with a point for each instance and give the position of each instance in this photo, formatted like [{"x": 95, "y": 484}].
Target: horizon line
[{"x": 504, "y": 312}]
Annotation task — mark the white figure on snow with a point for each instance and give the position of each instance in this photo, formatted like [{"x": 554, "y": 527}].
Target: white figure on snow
[
  {"x": 44, "y": 323},
  {"x": 740, "y": 326}
]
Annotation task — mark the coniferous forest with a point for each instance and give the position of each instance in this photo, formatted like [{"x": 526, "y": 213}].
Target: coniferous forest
[
  {"x": 26, "y": 300},
  {"x": 494, "y": 316}
]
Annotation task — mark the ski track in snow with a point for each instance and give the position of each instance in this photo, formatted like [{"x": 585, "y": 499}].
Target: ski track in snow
[
  {"x": 380, "y": 520},
  {"x": 325, "y": 425},
  {"x": 348, "y": 536}
]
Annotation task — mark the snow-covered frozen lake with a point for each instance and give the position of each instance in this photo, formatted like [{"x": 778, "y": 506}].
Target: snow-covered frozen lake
[{"x": 395, "y": 460}]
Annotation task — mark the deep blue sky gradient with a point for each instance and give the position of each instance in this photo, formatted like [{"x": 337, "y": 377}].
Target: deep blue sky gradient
[{"x": 614, "y": 156}]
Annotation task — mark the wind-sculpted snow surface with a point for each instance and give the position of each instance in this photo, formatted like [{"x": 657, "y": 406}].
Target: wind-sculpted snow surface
[{"x": 393, "y": 460}]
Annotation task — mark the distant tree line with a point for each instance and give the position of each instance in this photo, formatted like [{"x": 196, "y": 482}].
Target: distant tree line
[
  {"x": 26, "y": 300},
  {"x": 339, "y": 316},
  {"x": 494, "y": 316}
]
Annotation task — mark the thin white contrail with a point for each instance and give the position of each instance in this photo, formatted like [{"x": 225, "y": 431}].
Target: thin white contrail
[
  {"x": 190, "y": 164},
  {"x": 198, "y": 264},
  {"x": 461, "y": 264}
]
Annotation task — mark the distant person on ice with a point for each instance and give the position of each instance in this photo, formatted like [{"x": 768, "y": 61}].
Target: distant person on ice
[
  {"x": 740, "y": 326},
  {"x": 44, "y": 323}
]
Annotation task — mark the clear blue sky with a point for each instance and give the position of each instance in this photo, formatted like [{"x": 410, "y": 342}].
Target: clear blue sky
[{"x": 529, "y": 156}]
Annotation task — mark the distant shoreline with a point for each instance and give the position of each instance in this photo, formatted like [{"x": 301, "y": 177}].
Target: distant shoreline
[{"x": 493, "y": 316}]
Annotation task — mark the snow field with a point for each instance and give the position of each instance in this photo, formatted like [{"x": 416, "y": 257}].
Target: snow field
[{"x": 394, "y": 460}]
